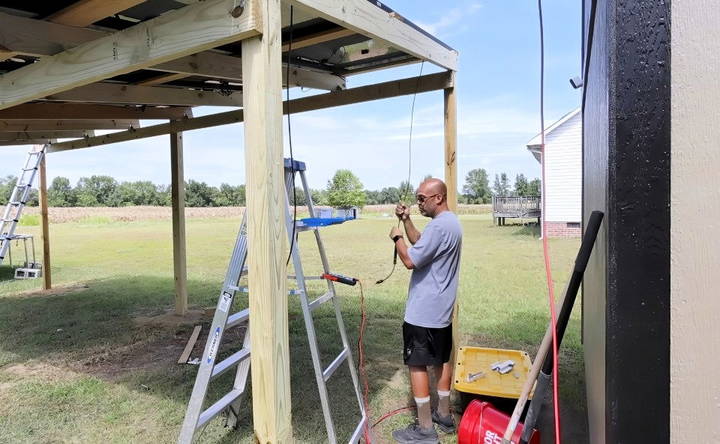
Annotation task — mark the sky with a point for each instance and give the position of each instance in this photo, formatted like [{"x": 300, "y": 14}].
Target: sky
[{"x": 498, "y": 110}]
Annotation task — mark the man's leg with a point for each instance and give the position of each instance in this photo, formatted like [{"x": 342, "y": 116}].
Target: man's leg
[
  {"x": 443, "y": 374},
  {"x": 420, "y": 383}
]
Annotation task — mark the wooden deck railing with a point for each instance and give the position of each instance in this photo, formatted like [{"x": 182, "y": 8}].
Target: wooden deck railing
[{"x": 519, "y": 207}]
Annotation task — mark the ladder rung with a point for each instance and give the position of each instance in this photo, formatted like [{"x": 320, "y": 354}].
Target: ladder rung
[
  {"x": 335, "y": 364},
  {"x": 11, "y": 220},
  {"x": 237, "y": 318},
  {"x": 229, "y": 362},
  {"x": 359, "y": 430},
  {"x": 218, "y": 407},
  {"x": 321, "y": 300},
  {"x": 29, "y": 169},
  {"x": 16, "y": 202}
]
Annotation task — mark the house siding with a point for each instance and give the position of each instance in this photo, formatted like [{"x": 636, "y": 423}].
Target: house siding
[{"x": 563, "y": 172}]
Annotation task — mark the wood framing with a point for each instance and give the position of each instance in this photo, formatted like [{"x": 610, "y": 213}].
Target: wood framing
[
  {"x": 86, "y": 12},
  {"x": 450, "y": 126},
  {"x": 81, "y": 111},
  {"x": 63, "y": 134},
  {"x": 178, "y": 33},
  {"x": 66, "y": 125},
  {"x": 395, "y": 88},
  {"x": 45, "y": 222},
  {"x": 177, "y": 197},
  {"x": 146, "y": 95},
  {"x": 219, "y": 66},
  {"x": 21, "y": 35},
  {"x": 320, "y": 37},
  {"x": 368, "y": 19},
  {"x": 162, "y": 78},
  {"x": 267, "y": 237}
]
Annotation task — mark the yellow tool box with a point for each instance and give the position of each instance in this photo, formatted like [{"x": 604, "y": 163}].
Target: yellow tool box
[{"x": 474, "y": 371}]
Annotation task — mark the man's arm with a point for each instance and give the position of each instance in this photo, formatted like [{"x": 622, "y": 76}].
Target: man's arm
[
  {"x": 403, "y": 213},
  {"x": 402, "y": 248}
]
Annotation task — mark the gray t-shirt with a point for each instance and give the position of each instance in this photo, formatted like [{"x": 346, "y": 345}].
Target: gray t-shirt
[{"x": 434, "y": 280}]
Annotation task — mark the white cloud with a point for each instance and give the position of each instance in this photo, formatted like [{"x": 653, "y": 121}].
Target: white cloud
[{"x": 450, "y": 20}]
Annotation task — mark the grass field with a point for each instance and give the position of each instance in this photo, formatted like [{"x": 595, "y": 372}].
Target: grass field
[{"x": 86, "y": 363}]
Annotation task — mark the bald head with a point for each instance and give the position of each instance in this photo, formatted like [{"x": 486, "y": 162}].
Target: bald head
[
  {"x": 434, "y": 186},
  {"x": 432, "y": 197}
]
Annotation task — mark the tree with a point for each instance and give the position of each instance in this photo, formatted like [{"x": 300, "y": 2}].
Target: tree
[
  {"x": 521, "y": 185},
  {"x": 501, "y": 186},
  {"x": 390, "y": 195},
  {"x": 61, "y": 193},
  {"x": 534, "y": 188},
  {"x": 345, "y": 190},
  {"x": 372, "y": 197},
  {"x": 229, "y": 195},
  {"x": 199, "y": 194},
  {"x": 406, "y": 191},
  {"x": 142, "y": 192},
  {"x": 7, "y": 184},
  {"x": 97, "y": 191},
  {"x": 476, "y": 188}
]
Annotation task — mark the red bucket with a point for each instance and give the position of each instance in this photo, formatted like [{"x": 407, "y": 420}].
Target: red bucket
[{"x": 483, "y": 424}]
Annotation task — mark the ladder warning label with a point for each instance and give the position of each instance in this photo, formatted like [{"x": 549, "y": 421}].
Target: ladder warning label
[
  {"x": 225, "y": 301},
  {"x": 214, "y": 345}
]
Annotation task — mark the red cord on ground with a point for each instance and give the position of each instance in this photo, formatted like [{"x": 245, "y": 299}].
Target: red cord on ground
[{"x": 546, "y": 250}]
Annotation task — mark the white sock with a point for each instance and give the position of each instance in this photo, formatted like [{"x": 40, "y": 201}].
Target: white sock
[
  {"x": 423, "y": 412},
  {"x": 443, "y": 402}
]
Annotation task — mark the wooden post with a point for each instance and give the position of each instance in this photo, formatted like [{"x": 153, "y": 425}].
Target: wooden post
[
  {"x": 177, "y": 194},
  {"x": 45, "y": 222},
  {"x": 450, "y": 122},
  {"x": 267, "y": 237}
]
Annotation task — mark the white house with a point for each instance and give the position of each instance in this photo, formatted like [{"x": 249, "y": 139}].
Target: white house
[{"x": 563, "y": 174}]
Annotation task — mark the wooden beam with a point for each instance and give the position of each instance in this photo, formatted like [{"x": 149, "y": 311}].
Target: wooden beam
[
  {"x": 25, "y": 142},
  {"x": 78, "y": 111},
  {"x": 320, "y": 37},
  {"x": 162, "y": 78},
  {"x": 145, "y": 95},
  {"x": 21, "y": 35},
  {"x": 64, "y": 134},
  {"x": 86, "y": 12},
  {"x": 45, "y": 222},
  {"x": 176, "y": 34},
  {"x": 267, "y": 237},
  {"x": 366, "y": 18},
  {"x": 450, "y": 145},
  {"x": 177, "y": 197},
  {"x": 65, "y": 125},
  {"x": 450, "y": 125},
  {"x": 219, "y": 66},
  {"x": 395, "y": 88}
]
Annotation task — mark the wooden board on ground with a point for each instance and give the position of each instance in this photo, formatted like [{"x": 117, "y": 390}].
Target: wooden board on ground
[{"x": 190, "y": 345}]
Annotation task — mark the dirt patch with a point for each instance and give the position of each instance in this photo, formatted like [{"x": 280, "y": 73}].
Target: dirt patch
[
  {"x": 56, "y": 291},
  {"x": 155, "y": 353},
  {"x": 168, "y": 318}
]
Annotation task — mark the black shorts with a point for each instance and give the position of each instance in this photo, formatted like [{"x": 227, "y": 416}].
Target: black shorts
[{"x": 426, "y": 346}]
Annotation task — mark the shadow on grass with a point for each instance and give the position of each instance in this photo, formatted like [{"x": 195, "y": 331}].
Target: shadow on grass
[
  {"x": 7, "y": 273},
  {"x": 95, "y": 332}
]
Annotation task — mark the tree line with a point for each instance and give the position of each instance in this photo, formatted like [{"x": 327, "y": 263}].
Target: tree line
[{"x": 343, "y": 190}]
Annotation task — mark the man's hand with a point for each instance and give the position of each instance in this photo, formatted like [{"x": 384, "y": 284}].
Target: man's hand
[
  {"x": 395, "y": 232},
  {"x": 402, "y": 212}
]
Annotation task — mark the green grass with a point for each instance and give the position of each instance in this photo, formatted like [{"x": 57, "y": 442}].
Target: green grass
[
  {"x": 75, "y": 366},
  {"x": 29, "y": 220}
]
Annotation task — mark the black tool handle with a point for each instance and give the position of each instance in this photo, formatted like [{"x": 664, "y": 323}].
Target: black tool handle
[{"x": 340, "y": 278}]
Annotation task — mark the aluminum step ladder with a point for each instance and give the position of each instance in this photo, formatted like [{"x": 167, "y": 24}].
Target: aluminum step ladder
[
  {"x": 196, "y": 417},
  {"x": 18, "y": 199}
]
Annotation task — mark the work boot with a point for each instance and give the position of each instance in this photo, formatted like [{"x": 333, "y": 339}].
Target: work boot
[
  {"x": 414, "y": 434},
  {"x": 445, "y": 423}
]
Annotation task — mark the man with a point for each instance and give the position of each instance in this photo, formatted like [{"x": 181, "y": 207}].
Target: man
[{"x": 434, "y": 259}]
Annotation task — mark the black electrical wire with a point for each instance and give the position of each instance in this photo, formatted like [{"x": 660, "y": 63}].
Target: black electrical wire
[
  {"x": 408, "y": 189},
  {"x": 292, "y": 158},
  {"x": 588, "y": 54}
]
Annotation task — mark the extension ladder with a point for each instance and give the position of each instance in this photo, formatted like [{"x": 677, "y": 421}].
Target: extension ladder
[
  {"x": 196, "y": 417},
  {"x": 18, "y": 199}
]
